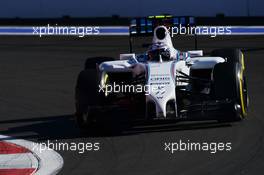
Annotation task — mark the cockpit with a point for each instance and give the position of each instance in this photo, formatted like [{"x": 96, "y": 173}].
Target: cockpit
[{"x": 163, "y": 54}]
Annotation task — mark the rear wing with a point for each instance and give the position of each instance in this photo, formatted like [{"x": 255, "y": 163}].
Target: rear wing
[{"x": 144, "y": 26}]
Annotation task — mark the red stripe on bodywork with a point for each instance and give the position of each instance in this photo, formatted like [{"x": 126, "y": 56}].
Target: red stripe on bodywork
[
  {"x": 23, "y": 171},
  {"x": 10, "y": 148}
]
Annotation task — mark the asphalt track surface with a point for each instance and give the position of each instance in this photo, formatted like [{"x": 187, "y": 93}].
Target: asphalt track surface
[{"x": 37, "y": 79}]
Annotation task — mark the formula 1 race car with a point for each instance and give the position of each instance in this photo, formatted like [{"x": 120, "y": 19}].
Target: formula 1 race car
[{"x": 164, "y": 83}]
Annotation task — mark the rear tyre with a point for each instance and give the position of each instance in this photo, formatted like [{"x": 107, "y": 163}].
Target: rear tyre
[{"x": 229, "y": 83}]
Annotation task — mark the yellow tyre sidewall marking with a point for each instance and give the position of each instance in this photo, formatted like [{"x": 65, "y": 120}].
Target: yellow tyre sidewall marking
[
  {"x": 243, "y": 62},
  {"x": 105, "y": 82},
  {"x": 244, "y": 113}
]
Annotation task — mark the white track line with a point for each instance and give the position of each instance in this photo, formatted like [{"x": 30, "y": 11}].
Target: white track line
[
  {"x": 49, "y": 161},
  {"x": 21, "y": 160}
]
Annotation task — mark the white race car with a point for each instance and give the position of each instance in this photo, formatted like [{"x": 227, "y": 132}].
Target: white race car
[{"x": 164, "y": 83}]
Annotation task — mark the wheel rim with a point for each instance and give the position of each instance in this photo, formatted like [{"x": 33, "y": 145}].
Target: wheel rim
[
  {"x": 245, "y": 92},
  {"x": 85, "y": 117}
]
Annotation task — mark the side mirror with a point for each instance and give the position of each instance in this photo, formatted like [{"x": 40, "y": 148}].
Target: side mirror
[{"x": 127, "y": 56}]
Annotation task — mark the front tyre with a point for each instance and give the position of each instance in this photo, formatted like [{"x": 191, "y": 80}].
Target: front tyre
[
  {"x": 229, "y": 82},
  {"x": 88, "y": 99}
]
